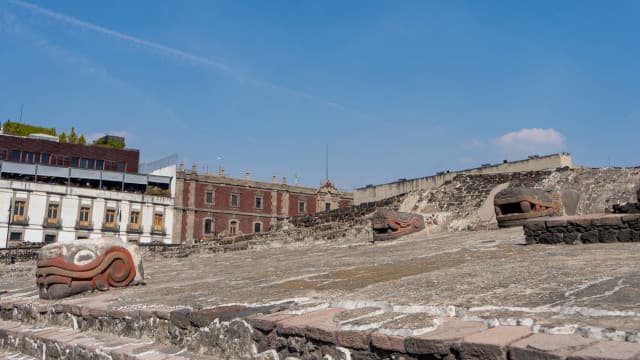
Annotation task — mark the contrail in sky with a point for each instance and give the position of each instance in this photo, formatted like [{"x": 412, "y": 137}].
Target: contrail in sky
[{"x": 167, "y": 50}]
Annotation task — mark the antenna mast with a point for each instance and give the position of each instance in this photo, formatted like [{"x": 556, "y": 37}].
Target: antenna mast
[{"x": 326, "y": 173}]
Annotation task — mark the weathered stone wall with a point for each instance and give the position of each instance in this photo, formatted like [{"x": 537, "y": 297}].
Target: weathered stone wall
[
  {"x": 348, "y": 214},
  {"x": 456, "y": 204},
  {"x": 584, "y": 229},
  {"x": 383, "y": 191}
]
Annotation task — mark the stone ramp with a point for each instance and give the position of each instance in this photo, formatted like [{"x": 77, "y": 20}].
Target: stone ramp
[{"x": 54, "y": 342}]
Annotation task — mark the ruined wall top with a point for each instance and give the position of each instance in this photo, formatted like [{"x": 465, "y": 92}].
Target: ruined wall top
[{"x": 403, "y": 186}]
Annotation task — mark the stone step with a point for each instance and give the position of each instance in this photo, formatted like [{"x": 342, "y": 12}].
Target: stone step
[
  {"x": 53, "y": 342},
  {"x": 9, "y": 355}
]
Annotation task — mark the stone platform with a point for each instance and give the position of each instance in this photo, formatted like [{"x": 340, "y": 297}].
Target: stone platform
[
  {"x": 586, "y": 229},
  {"x": 457, "y": 295}
]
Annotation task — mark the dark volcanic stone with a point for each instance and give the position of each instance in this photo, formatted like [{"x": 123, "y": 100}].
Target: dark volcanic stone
[
  {"x": 589, "y": 237},
  {"x": 180, "y": 318},
  {"x": 608, "y": 236}
]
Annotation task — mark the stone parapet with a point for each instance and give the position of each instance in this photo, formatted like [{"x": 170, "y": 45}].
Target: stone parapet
[{"x": 588, "y": 229}]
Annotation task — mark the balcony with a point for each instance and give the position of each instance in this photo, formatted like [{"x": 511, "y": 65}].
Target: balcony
[
  {"x": 135, "y": 228},
  {"x": 52, "y": 223},
  {"x": 84, "y": 225},
  {"x": 162, "y": 231},
  {"x": 19, "y": 220},
  {"x": 110, "y": 227}
]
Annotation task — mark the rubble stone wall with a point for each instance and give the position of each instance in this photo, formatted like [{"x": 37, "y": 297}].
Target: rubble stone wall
[
  {"x": 584, "y": 229},
  {"x": 454, "y": 206}
]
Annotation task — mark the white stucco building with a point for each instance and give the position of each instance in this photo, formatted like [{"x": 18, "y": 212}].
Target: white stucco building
[{"x": 41, "y": 203}]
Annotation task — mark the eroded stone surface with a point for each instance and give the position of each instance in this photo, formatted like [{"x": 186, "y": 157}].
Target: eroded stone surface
[{"x": 413, "y": 284}]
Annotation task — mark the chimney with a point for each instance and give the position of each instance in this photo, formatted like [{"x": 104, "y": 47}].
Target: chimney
[
  {"x": 284, "y": 180},
  {"x": 274, "y": 179},
  {"x": 181, "y": 166},
  {"x": 221, "y": 173},
  {"x": 194, "y": 168},
  {"x": 247, "y": 175}
]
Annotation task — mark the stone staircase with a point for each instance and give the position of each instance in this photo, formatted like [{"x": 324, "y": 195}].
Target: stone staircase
[{"x": 23, "y": 341}]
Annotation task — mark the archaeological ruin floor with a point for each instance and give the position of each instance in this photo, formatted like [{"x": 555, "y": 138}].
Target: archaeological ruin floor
[{"x": 489, "y": 275}]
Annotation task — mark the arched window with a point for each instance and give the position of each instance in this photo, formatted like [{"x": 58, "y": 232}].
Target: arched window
[{"x": 257, "y": 227}]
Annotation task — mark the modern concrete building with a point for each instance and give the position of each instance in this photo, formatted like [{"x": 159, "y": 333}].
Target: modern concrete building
[
  {"x": 210, "y": 206},
  {"x": 43, "y": 204}
]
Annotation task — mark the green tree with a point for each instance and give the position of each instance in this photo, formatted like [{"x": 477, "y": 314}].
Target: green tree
[
  {"x": 82, "y": 140},
  {"x": 63, "y": 137},
  {"x": 73, "y": 137}
]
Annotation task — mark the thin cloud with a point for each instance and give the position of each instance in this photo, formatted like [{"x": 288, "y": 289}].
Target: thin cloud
[
  {"x": 173, "y": 52},
  {"x": 530, "y": 141}
]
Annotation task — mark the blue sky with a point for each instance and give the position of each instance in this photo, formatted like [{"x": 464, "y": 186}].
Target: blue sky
[{"x": 396, "y": 89}]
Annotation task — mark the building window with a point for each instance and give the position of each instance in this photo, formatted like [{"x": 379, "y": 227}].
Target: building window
[
  {"x": 52, "y": 214},
  {"x": 259, "y": 202},
  {"x": 235, "y": 200},
  {"x": 208, "y": 197},
  {"x": 257, "y": 227},
  {"x": 19, "y": 210},
  {"x": 83, "y": 219},
  {"x": 110, "y": 218},
  {"x": 15, "y": 236},
  {"x": 49, "y": 238},
  {"x": 208, "y": 226},
  {"x": 158, "y": 222},
  {"x": 327, "y": 206},
  {"x": 134, "y": 220},
  {"x": 302, "y": 206},
  {"x": 233, "y": 227}
]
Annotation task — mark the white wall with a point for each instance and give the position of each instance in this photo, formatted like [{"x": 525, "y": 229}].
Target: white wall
[{"x": 69, "y": 198}]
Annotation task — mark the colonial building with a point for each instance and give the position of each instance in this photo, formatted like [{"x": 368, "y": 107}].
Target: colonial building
[
  {"x": 210, "y": 206},
  {"x": 52, "y": 191},
  {"x": 40, "y": 203}
]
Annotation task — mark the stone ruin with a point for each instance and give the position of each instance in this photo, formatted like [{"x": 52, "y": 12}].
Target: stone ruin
[
  {"x": 514, "y": 206},
  {"x": 67, "y": 269},
  {"x": 389, "y": 224},
  {"x": 627, "y": 208}
]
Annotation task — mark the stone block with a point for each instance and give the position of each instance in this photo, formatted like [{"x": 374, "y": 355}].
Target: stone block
[
  {"x": 180, "y": 318},
  {"x": 204, "y": 317},
  {"x": 492, "y": 343},
  {"x": 440, "y": 341},
  {"x": 387, "y": 342},
  {"x": 544, "y": 346},
  {"x": 551, "y": 238},
  {"x": 579, "y": 221},
  {"x": 571, "y": 238},
  {"x": 613, "y": 220},
  {"x": 535, "y": 225},
  {"x": 557, "y": 222},
  {"x": 630, "y": 218},
  {"x": 607, "y": 236},
  {"x": 624, "y": 235},
  {"x": 267, "y": 322},
  {"x": 354, "y": 339},
  {"x": 589, "y": 237},
  {"x": 318, "y": 325},
  {"x": 617, "y": 350}
]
